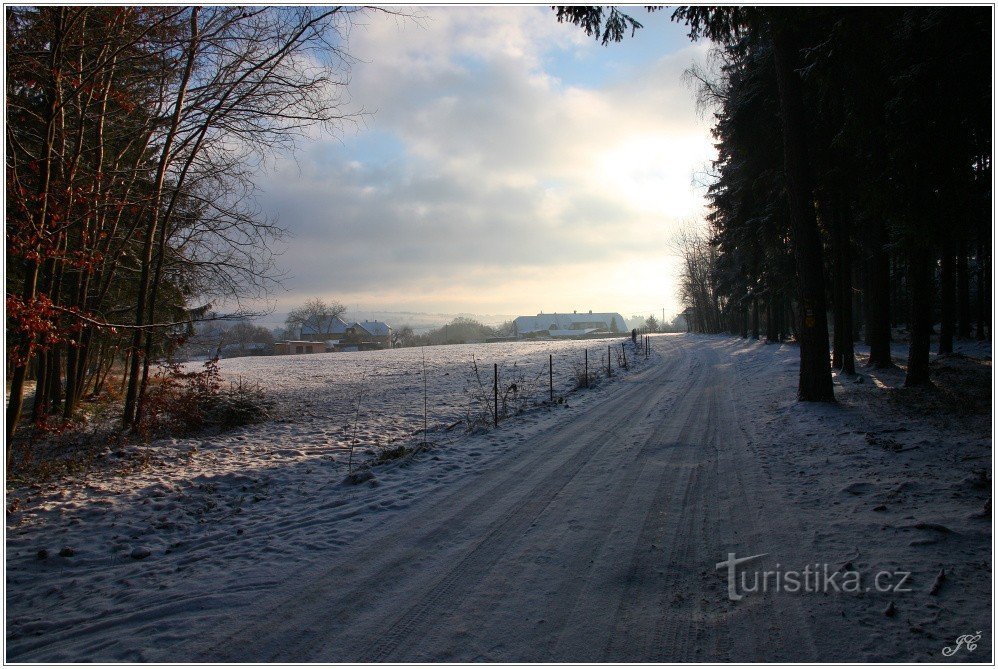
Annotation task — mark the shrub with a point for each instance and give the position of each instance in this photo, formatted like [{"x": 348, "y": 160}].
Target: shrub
[
  {"x": 516, "y": 394},
  {"x": 182, "y": 402},
  {"x": 179, "y": 401},
  {"x": 241, "y": 404},
  {"x": 579, "y": 373},
  {"x": 389, "y": 454}
]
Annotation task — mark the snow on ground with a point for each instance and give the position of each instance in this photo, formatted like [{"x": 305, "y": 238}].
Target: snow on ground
[
  {"x": 230, "y": 513},
  {"x": 886, "y": 479}
]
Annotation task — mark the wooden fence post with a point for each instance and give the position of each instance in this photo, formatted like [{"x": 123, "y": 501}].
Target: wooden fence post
[
  {"x": 495, "y": 394},
  {"x": 609, "y": 369},
  {"x": 551, "y": 375}
]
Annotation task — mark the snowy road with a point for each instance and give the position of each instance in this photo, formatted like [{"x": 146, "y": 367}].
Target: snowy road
[{"x": 599, "y": 545}]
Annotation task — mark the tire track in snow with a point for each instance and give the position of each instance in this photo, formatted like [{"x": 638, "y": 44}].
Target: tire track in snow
[
  {"x": 283, "y": 635},
  {"x": 440, "y": 583},
  {"x": 606, "y": 515},
  {"x": 488, "y": 551},
  {"x": 655, "y": 578}
]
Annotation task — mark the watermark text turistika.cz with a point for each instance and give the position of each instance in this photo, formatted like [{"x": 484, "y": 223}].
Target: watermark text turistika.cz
[{"x": 813, "y": 578}]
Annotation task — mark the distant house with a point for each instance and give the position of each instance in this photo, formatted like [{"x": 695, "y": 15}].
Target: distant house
[
  {"x": 297, "y": 347},
  {"x": 324, "y": 328},
  {"x": 366, "y": 335},
  {"x": 567, "y": 326},
  {"x": 332, "y": 333}
]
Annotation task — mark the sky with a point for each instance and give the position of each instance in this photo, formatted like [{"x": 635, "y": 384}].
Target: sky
[{"x": 505, "y": 164}]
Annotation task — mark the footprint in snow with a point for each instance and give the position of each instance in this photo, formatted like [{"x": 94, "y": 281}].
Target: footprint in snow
[{"x": 858, "y": 488}]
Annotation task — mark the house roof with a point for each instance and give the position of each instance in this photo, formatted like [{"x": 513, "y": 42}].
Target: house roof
[
  {"x": 375, "y": 328},
  {"x": 576, "y": 323},
  {"x": 323, "y": 325}
]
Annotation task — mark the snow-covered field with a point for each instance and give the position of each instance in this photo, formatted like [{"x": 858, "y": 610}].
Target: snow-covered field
[
  {"x": 581, "y": 531},
  {"x": 376, "y": 397},
  {"x": 232, "y": 512}
]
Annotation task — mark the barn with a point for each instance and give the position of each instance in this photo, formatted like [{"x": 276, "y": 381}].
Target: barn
[
  {"x": 297, "y": 347},
  {"x": 567, "y": 326}
]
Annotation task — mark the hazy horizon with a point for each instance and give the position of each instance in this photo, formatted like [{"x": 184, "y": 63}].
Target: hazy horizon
[{"x": 422, "y": 320}]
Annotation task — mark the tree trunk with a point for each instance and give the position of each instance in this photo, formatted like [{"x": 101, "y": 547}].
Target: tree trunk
[
  {"x": 920, "y": 280},
  {"x": 755, "y": 318},
  {"x": 878, "y": 298},
  {"x": 962, "y": 292},
  {"x": 858, "y": 299},
  {"x": 982, "y": 293},
  {"x": 132, "y": 398},
  {"x": 832, "y": 220},
  {"x": 23, "y": 349},
  {"x": 844, "y": 268},
  {"x": 54, "y": 384},
  {"x": 771, "y": 328},
  {"x": 815, "y": 383},
  {"x": 39, "y": 404},
  {"x": 947, "y": 295}
]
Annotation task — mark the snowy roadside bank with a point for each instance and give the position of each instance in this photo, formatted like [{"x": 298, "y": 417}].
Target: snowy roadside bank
[{"x": 886, "y": 480}]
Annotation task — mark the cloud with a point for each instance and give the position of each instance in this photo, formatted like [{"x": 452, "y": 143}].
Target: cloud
[{"x": 487, "y": 179}]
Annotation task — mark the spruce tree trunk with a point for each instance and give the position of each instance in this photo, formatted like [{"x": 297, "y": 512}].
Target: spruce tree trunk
[
  {"x": 947, "y": 290},
  {"x": 844, "y": 268},
  {"x": 772, "y": 332},
  {"x": 815, "y": 383},
  {"x": 858, "y": 301},
  {"x": 789, "y": 322},
  {"x": 831, "y": 218},
  {"x": 920, "y": 280},
  {"x": 878, "y": 298},
  {"x": 867, "y": 289},
  {"x": 755, "y": 318},
  {"x": 982, "y": 293},
  {"x": 962, "y": 291}
]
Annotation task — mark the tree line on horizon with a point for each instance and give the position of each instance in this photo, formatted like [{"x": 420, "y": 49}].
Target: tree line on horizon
[{"x": 853, "y": 178}]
